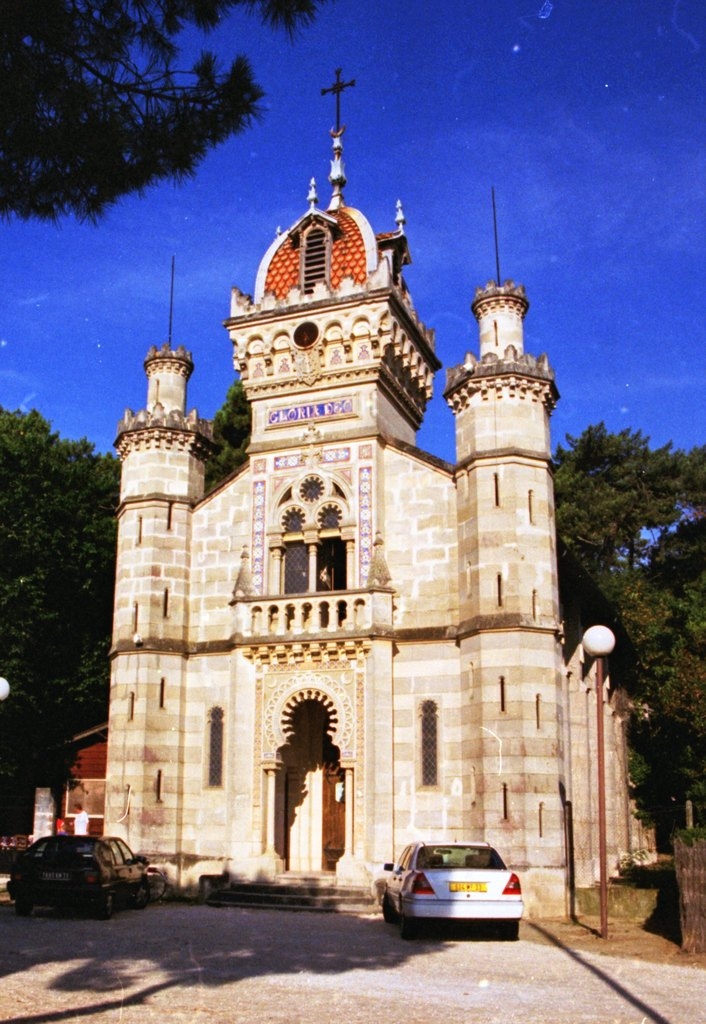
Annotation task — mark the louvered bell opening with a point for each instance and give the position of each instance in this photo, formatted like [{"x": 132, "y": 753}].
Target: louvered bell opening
[{"x": 314, "y": 259}]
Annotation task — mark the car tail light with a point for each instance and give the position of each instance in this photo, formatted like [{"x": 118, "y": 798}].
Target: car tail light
[
  {"x": 513, "y": 887},
  {"x": 92, "y": 878},
  {"x": 420, "y": 885},
  {"x": 16, "y": 876}
]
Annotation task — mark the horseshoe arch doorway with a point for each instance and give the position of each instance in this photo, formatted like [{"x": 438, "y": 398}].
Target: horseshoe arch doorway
[{"x": 311, "y": 797}]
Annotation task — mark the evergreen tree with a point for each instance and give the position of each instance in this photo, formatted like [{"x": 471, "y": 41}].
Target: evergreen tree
[
  {"x": 93, "y": 107},
  {"x": 57, "y": 564},
  {"x": 231, "y": 435},
  {"x": 614, "y": 496},
  {"x": 636, "y": 518}
]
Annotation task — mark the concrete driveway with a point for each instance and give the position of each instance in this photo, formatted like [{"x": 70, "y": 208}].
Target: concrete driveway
[{"x": 185, "y": 963}]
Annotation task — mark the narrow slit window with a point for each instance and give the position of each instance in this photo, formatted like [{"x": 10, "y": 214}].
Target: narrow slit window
[
  {"x": 162, "y": 689},
  {"x": 139, "y": 529},
  {"x": 135, "y": 617},
  {"x": 499, "y": 585},
  {"x": 158, "y": 785},
  {"x": 496, "y": 489},
  {"x": 170, "y": 506},
  {"x": 131, "y": 707},
  {"x": 540, "y": 820},
  {"x": 530, "y": 506},
  {"x": 505, "y": 802},
  {"x": 429, "y": 743},
  {"x": 165, "y": 603},
  {"x": 534, "y": 605},
  {"x": 538, "y": 710},
  {"x": 215, "y": 747},
  {"x": 501, "y": 684}
]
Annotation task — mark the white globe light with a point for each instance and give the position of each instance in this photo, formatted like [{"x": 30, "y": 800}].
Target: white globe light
[
  {"x": 4, "y": 689},
  {"x": 598, "y": 641}
]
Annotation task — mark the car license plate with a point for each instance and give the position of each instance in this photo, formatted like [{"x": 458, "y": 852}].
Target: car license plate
[
  {"x": 468, "y": 886},
  {"x": 56, "y": 876}
]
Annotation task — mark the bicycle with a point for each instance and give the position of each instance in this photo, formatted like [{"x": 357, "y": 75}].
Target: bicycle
[{"x": 157, "y": 882}]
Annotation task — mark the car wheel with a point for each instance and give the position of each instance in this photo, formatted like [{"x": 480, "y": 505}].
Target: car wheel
[
  {"x": 105, "y": 909},
  {"x": 388, "y": 911},
  {"x": 23, "y": 908},
  {"x": 142, "y": 895},
  {"x": 408, "y": 928}
]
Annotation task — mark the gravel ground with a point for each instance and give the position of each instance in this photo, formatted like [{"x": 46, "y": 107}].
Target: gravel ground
[{"x": 179, "y": 963}]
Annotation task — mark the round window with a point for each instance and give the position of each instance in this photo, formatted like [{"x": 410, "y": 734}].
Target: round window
[
  {"x": 306, "y": 334},
  {"x": 311, "y": 489}
]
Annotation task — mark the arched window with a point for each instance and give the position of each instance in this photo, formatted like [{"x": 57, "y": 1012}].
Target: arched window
[
  {"x": 320, "y": 562},
  {"x": 296, "y": 567},
  {"x": 429, "y": 718},
  {"x": 296, "y": 558},
  {"x": 215, "y": 747}
]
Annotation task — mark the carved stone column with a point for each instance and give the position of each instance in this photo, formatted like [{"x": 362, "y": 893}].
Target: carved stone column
[
  {"x": 313, "y": 551},
  {"x": 349, "y": 870},
  {"x": 270, "y": 863},
  {"x": 275, "y": 582},
  {"x": 348, "y": 796}
]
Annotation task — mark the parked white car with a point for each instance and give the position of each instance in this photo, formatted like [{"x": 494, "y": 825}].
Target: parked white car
[{"x": 452, "y": 881}]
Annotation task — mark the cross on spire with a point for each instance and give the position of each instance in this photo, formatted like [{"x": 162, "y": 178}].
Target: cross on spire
[{"x": 337, "y": 88}]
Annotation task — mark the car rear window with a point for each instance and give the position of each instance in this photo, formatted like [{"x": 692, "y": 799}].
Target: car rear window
[
  {"x": 481, "y": 857},
  {"x": 63, "y": 851}
]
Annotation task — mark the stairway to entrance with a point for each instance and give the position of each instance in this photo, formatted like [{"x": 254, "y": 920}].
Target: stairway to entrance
[{"x": 296, "y": 892}]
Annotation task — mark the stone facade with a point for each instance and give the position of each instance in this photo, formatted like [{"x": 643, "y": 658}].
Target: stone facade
[{"x": 351, "y": 643}]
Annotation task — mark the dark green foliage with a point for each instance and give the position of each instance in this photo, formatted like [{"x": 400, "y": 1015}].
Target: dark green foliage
[
  {"x": 231, "y": 435},
  {"x": 93, "y": 106},
  {"x": 636, "y": 518},
  {"x": 57, "y": 565},
  {"x": 689, "y": 836},
  {"x": 613, "y": 494}
]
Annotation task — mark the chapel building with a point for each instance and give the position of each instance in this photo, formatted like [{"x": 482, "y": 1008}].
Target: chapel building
[{"x": 351, "y": 643}]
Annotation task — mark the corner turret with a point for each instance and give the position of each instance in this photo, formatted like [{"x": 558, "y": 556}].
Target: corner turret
[{"x": 500, "y": 311}]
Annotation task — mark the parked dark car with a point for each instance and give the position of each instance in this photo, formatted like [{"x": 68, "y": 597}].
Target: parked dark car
[{"x": 79, "y": 871}]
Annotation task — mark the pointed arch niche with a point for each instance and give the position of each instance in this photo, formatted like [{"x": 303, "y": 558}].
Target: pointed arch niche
[{"x": 309, "y": 782}]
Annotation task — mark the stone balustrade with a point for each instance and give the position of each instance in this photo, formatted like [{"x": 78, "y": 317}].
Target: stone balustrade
[{"x": 330, "y": 612}]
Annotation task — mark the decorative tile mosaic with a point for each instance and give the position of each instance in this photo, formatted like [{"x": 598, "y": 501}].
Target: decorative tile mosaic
[
  {"x": 365, "y": 451},
  {"x": 336, "y": 455},
  {"x": 259, "y": 466},
  {"x": 258, "y": 536},
  {"x": 365, "y": 521},
  {"x": 289, "y": 461},
  {"x": 310, "y": 411}
]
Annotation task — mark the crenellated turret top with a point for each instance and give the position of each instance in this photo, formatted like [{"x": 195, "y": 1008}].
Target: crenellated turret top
[
  {"x": 168, "y": 371},
  {"x": 504, "y": 368},
  {"x": 500, "y": 310}
]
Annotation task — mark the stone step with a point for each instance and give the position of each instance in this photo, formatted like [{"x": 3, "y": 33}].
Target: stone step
[{"x": 300, "y": 894}]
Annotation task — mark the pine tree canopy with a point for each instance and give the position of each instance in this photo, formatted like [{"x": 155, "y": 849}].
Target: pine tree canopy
[{"x": 93, "y": 106}]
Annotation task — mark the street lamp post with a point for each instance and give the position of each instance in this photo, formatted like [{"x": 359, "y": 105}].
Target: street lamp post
[{"x": 599, "y": 641}]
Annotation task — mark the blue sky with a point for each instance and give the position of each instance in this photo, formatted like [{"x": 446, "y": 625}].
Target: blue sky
[{"x": 586, "y": 116}]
